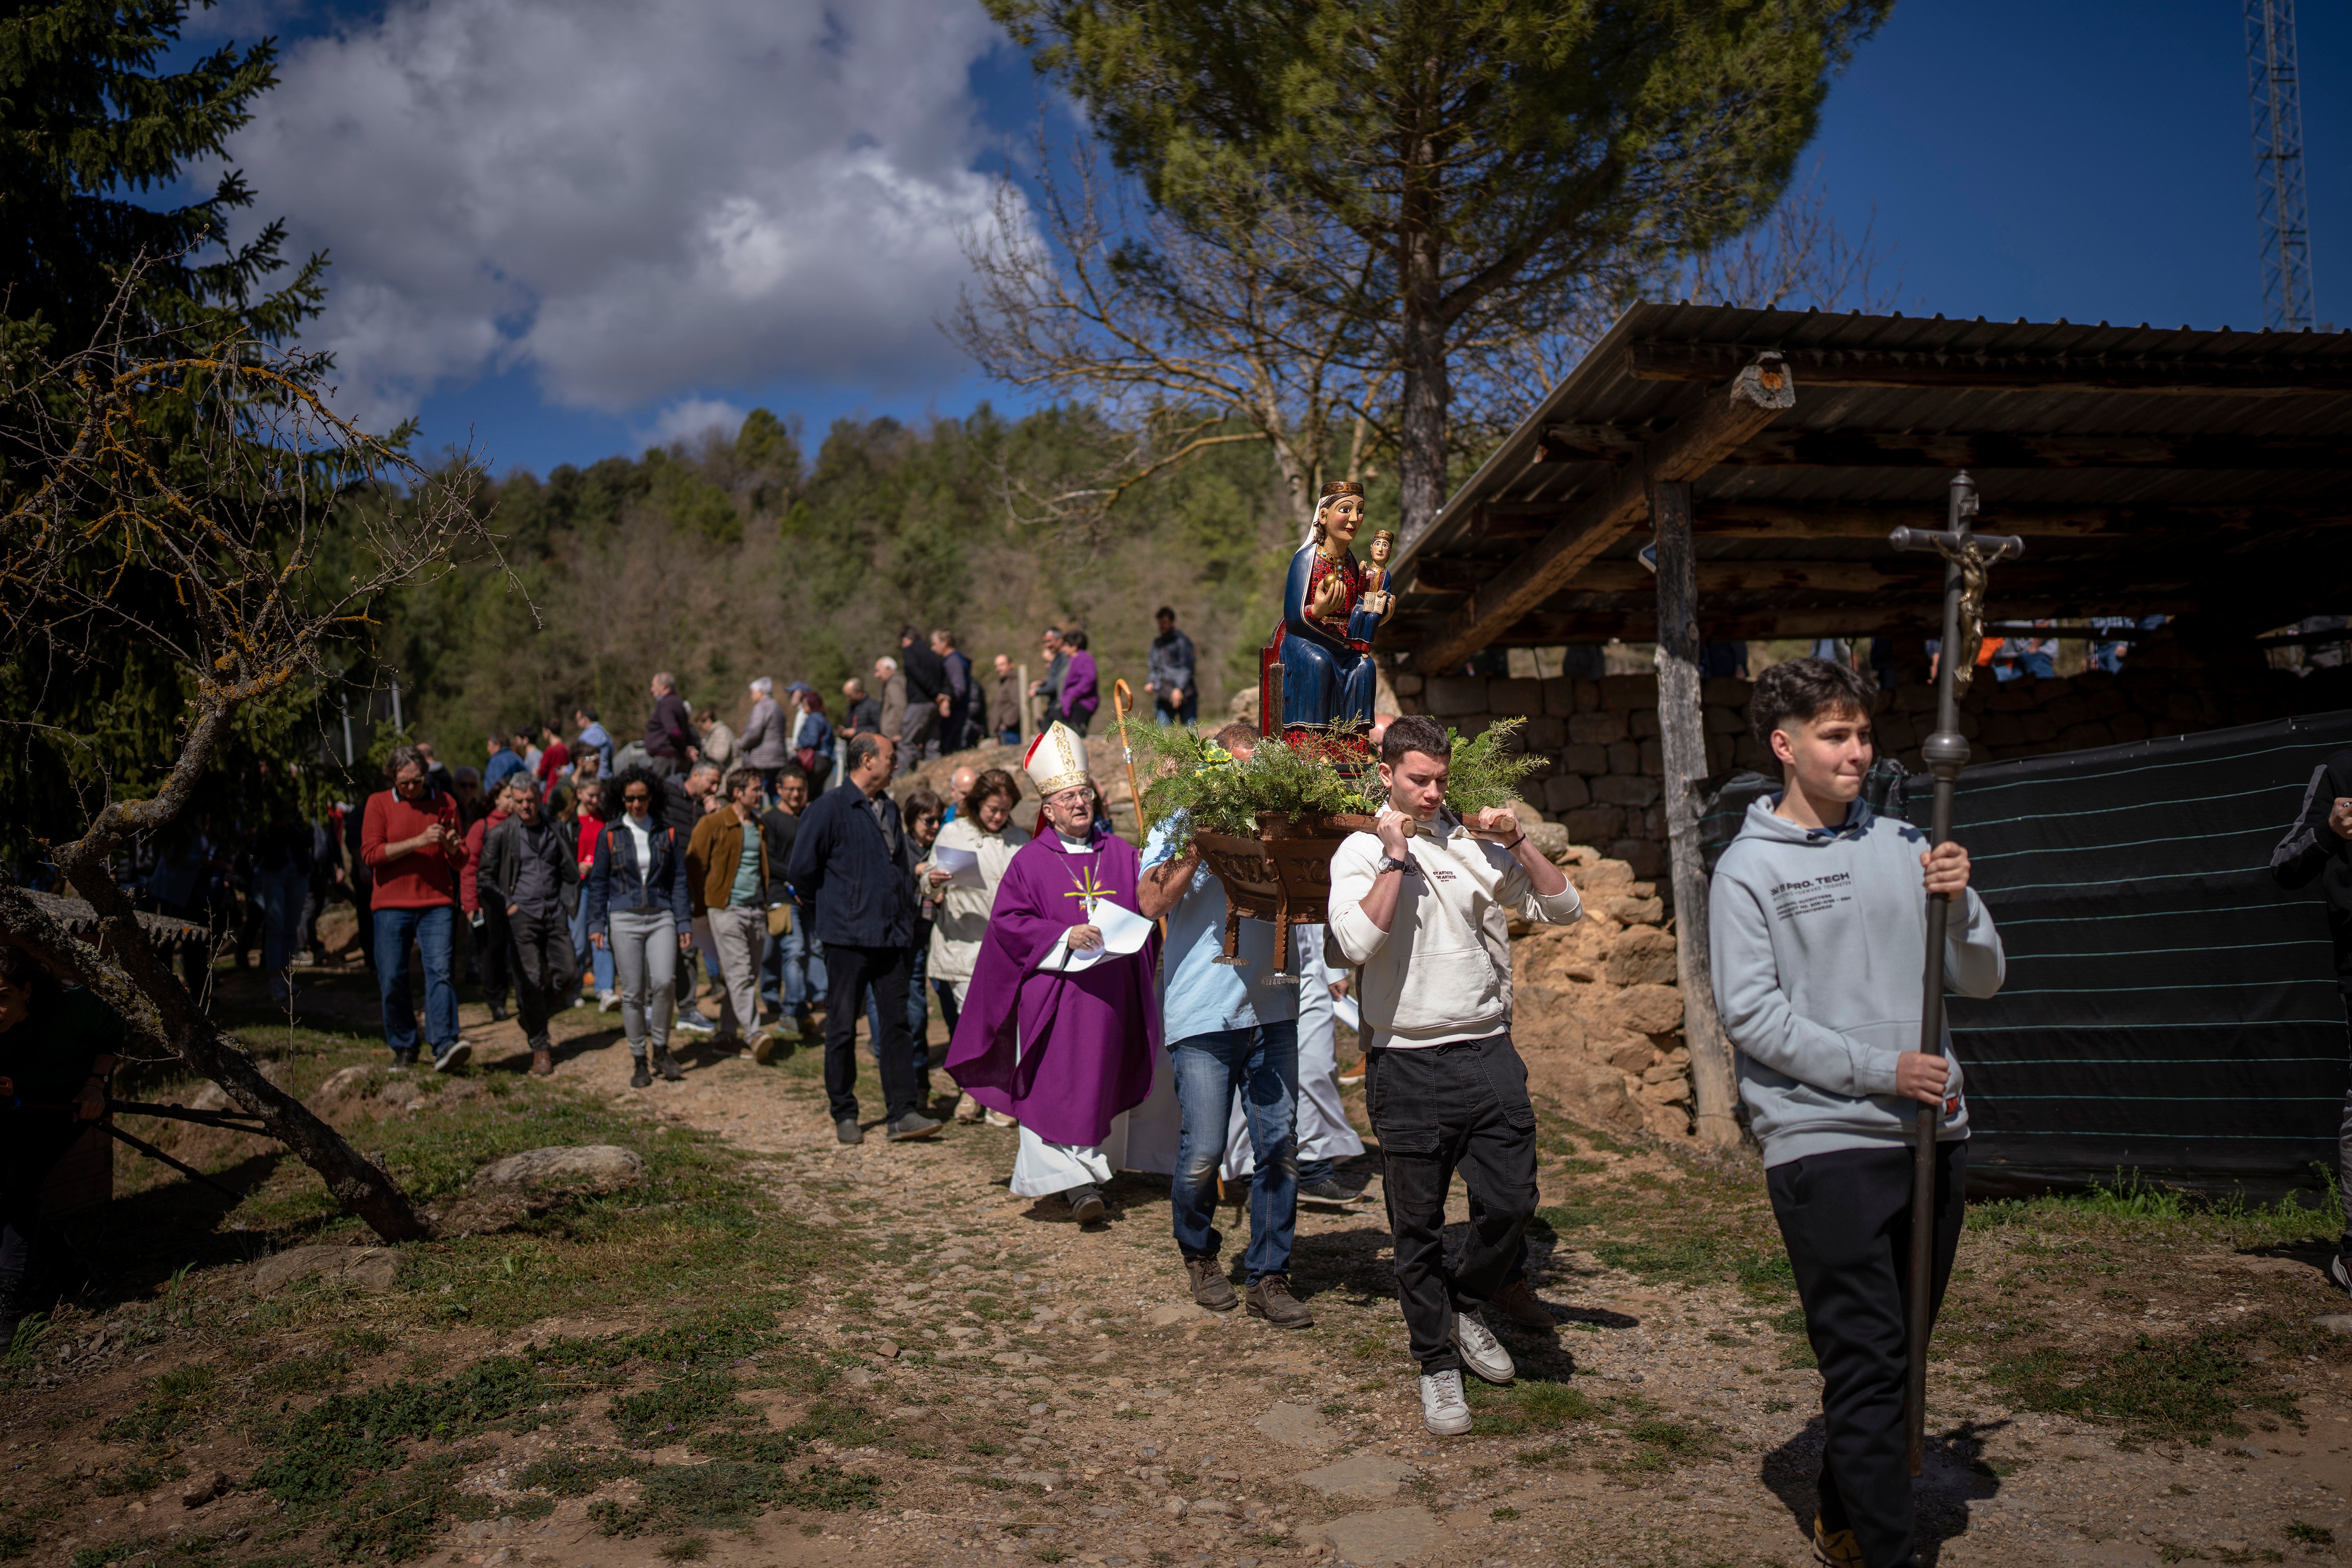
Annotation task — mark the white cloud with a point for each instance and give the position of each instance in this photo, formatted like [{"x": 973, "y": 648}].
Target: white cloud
[
  {"x": 630, "y": 199},
  {"x": 691, "y": 419}
]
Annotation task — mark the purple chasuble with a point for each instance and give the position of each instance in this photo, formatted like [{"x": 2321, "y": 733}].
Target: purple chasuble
[{"x": 1088, "y": 1039}]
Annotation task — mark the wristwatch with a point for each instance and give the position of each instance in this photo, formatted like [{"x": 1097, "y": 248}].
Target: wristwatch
[{"x": 1392, "y": 863}]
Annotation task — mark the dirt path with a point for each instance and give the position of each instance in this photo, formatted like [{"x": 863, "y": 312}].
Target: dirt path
[
  {"x": 1086, "y": 1410},
  {"x": 1027, "y": 1391}
]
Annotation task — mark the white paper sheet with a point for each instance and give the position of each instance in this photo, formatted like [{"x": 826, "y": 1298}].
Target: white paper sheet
[
  {"x": 1123, "y": 931},
  {"x": 962, "y": 865}
]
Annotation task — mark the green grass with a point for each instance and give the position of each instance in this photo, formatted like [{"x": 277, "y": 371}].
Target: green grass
[
  {"x": 2129, "y": 1208},
  {"x": 1530, "y": 1406},
  {"x": 2186, "y": 1388}
]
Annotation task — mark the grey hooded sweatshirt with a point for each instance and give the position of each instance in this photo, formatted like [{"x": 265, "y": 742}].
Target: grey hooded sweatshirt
[{"x": 1818, "y": 936}]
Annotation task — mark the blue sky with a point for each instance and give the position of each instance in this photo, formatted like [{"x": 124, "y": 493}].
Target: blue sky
[{"x": 2091, "y": 160}]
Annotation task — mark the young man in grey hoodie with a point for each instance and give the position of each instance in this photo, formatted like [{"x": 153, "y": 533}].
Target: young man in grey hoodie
[{"x": 1818, "y": 924}]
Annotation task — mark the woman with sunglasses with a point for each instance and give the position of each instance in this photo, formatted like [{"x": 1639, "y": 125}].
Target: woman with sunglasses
[{"x": 637, "y": 908}]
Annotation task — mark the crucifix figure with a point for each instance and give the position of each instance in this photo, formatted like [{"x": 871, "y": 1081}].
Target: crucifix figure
[{"x": 1967, "y": 556}]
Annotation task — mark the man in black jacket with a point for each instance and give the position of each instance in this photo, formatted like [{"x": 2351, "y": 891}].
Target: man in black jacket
[
  {"x": 2320, "y": 844},
  {"x": 528, "y": 871},
  {"x": 669, "y": 734},
  {"x": 852, "y": 862},
  {"x": 926, "y": 696}
]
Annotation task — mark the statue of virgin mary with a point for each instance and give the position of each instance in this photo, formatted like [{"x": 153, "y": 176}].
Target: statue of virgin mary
[{"x": 1327, "y": 677}]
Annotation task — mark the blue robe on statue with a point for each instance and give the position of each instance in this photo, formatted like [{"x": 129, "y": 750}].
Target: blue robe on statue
[{"x": 1327, "y": 679}]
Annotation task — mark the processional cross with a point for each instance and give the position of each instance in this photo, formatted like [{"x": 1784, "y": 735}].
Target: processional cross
[{"x": 1967, "y": 557}]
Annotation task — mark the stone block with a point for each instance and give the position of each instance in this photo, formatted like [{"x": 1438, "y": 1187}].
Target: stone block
[
  {"x": 1726, "y": 691},
  {"x": 1544, "y": 733},
  {"x": 2083, "y": 737},
  {"x": 1588, "y": 695},
  {"x": 1559, "y": 696},
  {"x": 1602, "y": 873},
  {"x": 1642, "y": 722},
  {"x": 2126, "y": 728},
  {"x": 1645, "y": 909},
  {"x": 1593, "y": 823},
  {"x": 1578, "y": 758},
  {"x": 1643, "y": 956},
  {"x": 2057, "y": 686},
  {"x": 1406, "y": 685},
  {"x": 1566, "y": 792},
  {"x": 1751, "y": 752},
  {"x": 1720, "y": 749},
  {"x": 1724, "y": 722},
  {"x": 1472, "y": 725},
  {"x": 1654, "y": 759},
  {"x": 1646, "y": 856},
  {"x": 1629, "y": 692},
  {"x": 2104, "y": 703},
  {"x": 1596, "y": 729},
  {"x": 1515, "y": 697},
  {"x": 1625, "y": 789},
  {"x": 1451, "y": 696},
  {"x": 2016, "y": 697},
  {"x": 1632, "y": 1053},
  {"x": 594, "y": 1167},
  {"x": 1360, "y": 1476},
  {"x": 1625, "y": 757},
  {"x": 2071, "y": 708},
  {"x": 372, "y": 1269},
  {"x": 1915, "y": 699},
  {"x": 1897, "y": 733},
  {"x": 1650, "y": 1009}
]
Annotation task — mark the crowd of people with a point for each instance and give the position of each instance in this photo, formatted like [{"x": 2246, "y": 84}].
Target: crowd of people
[{"x": 1091, "y": 1004}]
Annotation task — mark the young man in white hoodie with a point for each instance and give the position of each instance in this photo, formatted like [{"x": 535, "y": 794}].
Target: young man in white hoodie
[
  {"x": 1818, "y": 925},
  {"x": 1423, "y": 904}
]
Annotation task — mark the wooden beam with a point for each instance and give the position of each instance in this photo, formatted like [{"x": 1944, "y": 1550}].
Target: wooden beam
[
  {"x": 1970, "y": 450},
  {"x": 2278, "y": 375},
  {"x": 1682, "y": 745},
  {"x": 1758, "y": 394},
  {"x": 1866, "y": 619},
  {"x": 1804, "y": 520}
]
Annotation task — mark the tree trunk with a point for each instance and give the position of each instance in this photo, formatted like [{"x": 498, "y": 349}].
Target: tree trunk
[
  {"x": 140, "y": 987},
  {"x": 1426, "y": 390},
  {"x": 1683, "y": 742}
]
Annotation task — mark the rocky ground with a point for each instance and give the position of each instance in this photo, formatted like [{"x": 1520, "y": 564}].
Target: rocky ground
[{"x": 970, "y": 1378}]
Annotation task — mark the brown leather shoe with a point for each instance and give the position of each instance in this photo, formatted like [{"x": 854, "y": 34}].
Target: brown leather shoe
[
  {"x": 542, "y": 1064},
  {"x": 1271, "y": 1298},
  {"x": 1517, "y": 1302},
  {"x": 1210, "y": 1289}
]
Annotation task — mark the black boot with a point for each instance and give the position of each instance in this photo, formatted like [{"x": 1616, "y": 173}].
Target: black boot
[{"x": 640, "y": 1078}]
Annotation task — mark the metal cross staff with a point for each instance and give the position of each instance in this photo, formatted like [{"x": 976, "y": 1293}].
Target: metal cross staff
[{"x": 1966, "y": 555}]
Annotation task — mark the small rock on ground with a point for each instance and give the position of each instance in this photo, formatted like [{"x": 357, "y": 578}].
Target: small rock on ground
[
  {"x": 1388, "y": 1535},
  {"x": 1360, "y": 1475},
  {"x": 599, "y": 1167},
  {"x": 368, "y": 1267}
]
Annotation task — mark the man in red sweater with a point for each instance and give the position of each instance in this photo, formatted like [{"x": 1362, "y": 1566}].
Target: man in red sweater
[{"x": 409, "y": 837}]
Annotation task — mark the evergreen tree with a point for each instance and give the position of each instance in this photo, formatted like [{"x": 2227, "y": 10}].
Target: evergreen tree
[
  {"x": 87, "y": 126},
  {"x": 1476, "y": 162}
]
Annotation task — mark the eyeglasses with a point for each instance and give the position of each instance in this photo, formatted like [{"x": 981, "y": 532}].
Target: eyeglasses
[
  {"x": 1077, "y": 795},
  {"x": 637, "y": 798}
]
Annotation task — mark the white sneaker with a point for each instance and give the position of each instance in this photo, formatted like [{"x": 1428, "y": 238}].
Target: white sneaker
[
  {"x": 607, "y": 1000},
  {"x": 1480, "y": 1348},
  {"x": 694, "y": 1023},
  {"x": 2339, "y": 1268},
  {"x": 1443, "y": 1409}
]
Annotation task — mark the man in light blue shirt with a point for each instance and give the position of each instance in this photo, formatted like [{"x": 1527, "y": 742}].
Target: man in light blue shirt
[{"x": 1226, "y": 1029}]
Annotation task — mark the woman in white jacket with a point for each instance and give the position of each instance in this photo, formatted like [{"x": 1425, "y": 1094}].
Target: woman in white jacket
[{"x": 982, "y": 827}]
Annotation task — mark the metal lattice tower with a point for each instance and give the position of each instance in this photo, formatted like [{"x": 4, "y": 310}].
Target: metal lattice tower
[{"x": 2278, "y": 163}]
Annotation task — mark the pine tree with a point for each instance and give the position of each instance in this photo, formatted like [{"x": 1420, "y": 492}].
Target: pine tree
[
  {"x": 1492, "y": 158},
  {"x": 88, "y": 126}
]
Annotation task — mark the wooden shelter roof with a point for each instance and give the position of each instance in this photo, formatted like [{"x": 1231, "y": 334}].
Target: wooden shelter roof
[{"x": 2150, "y": 472}]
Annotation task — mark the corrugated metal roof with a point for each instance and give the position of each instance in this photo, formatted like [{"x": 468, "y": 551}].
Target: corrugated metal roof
[{"x": 2277, "y": 457}]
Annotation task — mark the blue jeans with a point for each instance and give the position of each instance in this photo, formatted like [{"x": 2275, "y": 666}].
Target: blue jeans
[
  {"x": 433, "y": 930},
  {"x": 793, "y": 975},
  {"x": 1262, "y": 1063},
  {"x": 281, "y": 894},
  {"x": 1187, "y": 714},
  {"x": 918, "y": 1015},
  {"x": 599, "y": 958}
]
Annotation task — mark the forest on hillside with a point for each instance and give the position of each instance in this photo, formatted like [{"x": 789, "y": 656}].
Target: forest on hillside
[{"x": 744, "y": 556}]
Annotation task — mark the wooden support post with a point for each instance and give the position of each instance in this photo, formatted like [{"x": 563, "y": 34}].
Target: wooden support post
[
  {"x": 1714, "y": 1085},
  {"x": 1028, "y": 719}
]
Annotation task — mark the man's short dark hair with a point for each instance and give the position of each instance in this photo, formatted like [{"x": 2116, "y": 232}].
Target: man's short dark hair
[
  {"x": 862, "y": 745},
  {"x": 790, "y": 771},
  {"x": 586, "y": 710},
  {"x": 1163, "y": 614},
  {"x": 1803, "y": 690},
  {"x": 1414, "y": 732}
]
